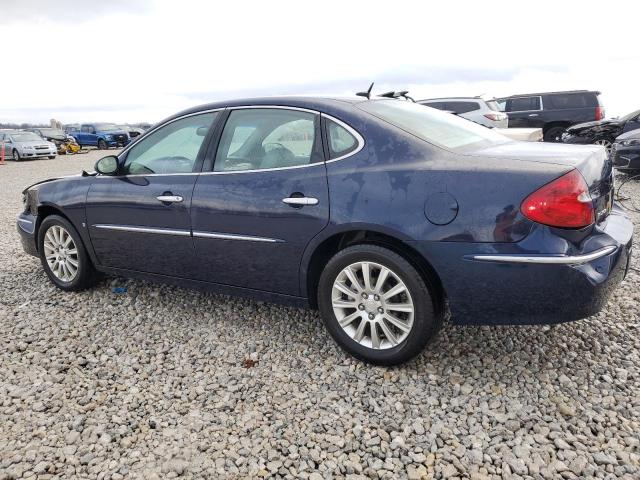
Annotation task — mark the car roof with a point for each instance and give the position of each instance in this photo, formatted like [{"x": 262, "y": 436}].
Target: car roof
[{"x": 548, "y": 93}]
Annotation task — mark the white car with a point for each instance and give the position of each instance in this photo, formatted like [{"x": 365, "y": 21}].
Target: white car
[
  {"x": 522, "y": 134},
  {"x": 476, "y": 109},
  {"x": 19, "y": 145}
]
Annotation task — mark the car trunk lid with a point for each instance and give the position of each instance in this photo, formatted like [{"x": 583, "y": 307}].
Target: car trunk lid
[{"x": 590, "y": 160}]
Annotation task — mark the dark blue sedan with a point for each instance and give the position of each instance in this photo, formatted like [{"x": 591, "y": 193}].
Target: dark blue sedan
[{"x": 382, "y": 214}]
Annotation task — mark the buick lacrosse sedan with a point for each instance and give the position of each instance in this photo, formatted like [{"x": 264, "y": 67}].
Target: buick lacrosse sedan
[{"x": 382, "y": 214}]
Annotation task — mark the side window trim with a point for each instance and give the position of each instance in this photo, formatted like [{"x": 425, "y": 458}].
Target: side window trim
[
  {"x": 317, "y": 148},
  {"x": 349, "y": 128}
]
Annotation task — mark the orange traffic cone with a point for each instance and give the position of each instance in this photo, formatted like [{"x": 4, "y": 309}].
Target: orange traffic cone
[{"x": 2, "y": 155}]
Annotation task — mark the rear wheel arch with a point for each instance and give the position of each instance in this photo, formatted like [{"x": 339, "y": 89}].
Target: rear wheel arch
[{"x": 339, "y": 241}]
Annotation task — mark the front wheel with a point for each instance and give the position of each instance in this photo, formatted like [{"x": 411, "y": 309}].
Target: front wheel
[
  {"x": 63, "y": 255},
  {"x": 102, "y": 145},
  {"x": 604, "y": 142},
  {"x": 16, "y": 155},
  {"x": 51, "y": 157},
  {"x": 376, "y": 305}
]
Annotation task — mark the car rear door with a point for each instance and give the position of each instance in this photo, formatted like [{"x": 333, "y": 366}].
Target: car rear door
[
  {"x": 263, "y": 200},
  {"x": 525, "y": 112},
  {"x": 140, "y": 219}
]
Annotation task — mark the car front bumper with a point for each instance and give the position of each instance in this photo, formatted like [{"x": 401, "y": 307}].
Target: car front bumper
[
  {"x": 38, "y": 153},
  {"x": 27, "y": 230},
  {"x": 625, "y": 158},
  {"x": 507, "y": 284}
]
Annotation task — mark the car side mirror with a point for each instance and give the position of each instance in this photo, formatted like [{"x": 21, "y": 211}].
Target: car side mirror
[{"x": 107, "y": 165}]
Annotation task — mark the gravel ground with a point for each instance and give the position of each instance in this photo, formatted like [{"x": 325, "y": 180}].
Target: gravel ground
[{"x": 160, "y": 382}]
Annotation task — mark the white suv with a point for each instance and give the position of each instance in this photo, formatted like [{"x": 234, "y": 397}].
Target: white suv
[{"x": 472, "y": 108}]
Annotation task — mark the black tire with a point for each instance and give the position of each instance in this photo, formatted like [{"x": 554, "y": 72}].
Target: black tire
[
  {"x": 86, "y": 274},
  {"x": 102, "y": 145},
  {"x": 51, "y": 157},
  {"x": 16, "y": 155},
  {"x": 426, "y": 321},
  {"x": 554, "y": 134}
]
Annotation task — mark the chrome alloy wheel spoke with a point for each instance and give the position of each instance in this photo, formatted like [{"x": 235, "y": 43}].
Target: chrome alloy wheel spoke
[
  {"x": 61, "y": 253},
  {"x": 372, "y": 305}
]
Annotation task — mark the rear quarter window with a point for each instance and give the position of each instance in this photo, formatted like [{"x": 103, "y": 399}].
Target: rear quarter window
[
  {"x": 571, "y": 100},
  {"x": 462, "y": 107}
]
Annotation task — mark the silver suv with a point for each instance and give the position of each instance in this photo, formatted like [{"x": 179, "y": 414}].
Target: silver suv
[{"x": 475, "y": 109}]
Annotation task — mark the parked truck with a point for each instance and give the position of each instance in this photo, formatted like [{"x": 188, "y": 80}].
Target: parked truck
[{"x": 101, "y": 135}]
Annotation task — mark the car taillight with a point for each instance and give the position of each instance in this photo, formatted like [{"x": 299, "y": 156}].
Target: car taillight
[
  {"x": 599, "y": 113},
  {"x": 495, "y": 116},
  {"x": 565, "y": 202}
]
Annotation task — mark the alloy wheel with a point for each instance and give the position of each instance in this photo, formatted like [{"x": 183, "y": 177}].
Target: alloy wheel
[
  {"x": 372, "y": 305},
  {"x": 61, "y": 253},
  {"x": 16, "y": 156},
  {"x": 605, "y": 143}
]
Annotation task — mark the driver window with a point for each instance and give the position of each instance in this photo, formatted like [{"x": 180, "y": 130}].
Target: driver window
[
  {"x": 258, "y": 139},
  {"x": 170, "y": 149}
]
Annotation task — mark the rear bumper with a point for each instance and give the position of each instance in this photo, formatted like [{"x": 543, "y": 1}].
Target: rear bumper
[
  {"x": 26, "y": 228},
  {"x": 507, "y": 284}
]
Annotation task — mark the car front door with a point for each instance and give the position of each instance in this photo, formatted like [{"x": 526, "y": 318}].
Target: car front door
[
  {"x": 263, "y": 200},
  {"x": 139, "y": 219}
]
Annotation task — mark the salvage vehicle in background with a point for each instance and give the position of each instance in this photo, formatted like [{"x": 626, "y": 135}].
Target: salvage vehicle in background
[
  {"x": 472, "y": 108},
  {"x": 602, "y": 132},
  {"x": 65, "y": 143},
  {"x": 132, "y": 131},
  {"x": 383, "y": 214},
  {"x": 554, "y": 112},
  {"x": 625, "y": 152},
  {"x": 19, "y": 145},
  {"x": 101, "y": 135}
]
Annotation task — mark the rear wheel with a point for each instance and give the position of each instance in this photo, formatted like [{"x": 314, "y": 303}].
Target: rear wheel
[
  {"x": 16, "y": 155},
  {"x": 63, "y": 255},
  {"x": 376, "y": 305},
  {"x": 554, "y": 134},
  {"x": 102, "y": 145}
]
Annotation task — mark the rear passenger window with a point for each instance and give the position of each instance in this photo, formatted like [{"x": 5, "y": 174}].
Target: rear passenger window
[
  {"x": 341, "y": 141},
  {"x": 264, "y": 138},
  {"x": 462, "y": 107},
  {"x": 573, "y": 100},
  {"x": 523, "y": 104}
]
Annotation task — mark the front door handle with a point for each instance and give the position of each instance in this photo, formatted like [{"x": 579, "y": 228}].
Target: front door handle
[
  {"x": 170, "y": 198},
  {"x": 300, "y": 201},
  {"x": 533, "y": 114}
]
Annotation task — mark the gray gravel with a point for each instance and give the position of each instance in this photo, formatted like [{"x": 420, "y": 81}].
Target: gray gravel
[{"x": 160, "y": 382}]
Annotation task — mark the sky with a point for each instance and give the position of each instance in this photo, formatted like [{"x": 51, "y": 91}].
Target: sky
[{"x": 129, "y": 61}]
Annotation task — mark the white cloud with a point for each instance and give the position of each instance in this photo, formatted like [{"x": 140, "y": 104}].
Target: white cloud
[{"x": 141, "y": 62}]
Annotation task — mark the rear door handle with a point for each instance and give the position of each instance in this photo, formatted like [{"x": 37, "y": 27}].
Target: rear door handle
[
  {"x": 170, "y": 198},
  {"x": 300, "y": 201}
]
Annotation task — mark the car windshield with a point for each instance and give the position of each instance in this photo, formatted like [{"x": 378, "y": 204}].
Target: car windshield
[
  {"x": 629, "y": 116},
  {"x": 433, "y": 126},
  {"x": 25, "y": 137},
  {"x": 52, "y": 132},
  {"x": 107, "y": 127}
]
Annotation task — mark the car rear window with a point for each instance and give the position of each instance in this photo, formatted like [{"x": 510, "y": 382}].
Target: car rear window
[
  {"x": 433, "y": 126},
  {"x": 438, "y": 105},
  {"x": 493, "y": 105},
  {"x": 462, "y": 107}
]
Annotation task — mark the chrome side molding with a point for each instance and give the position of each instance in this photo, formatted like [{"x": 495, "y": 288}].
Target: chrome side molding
[
  {"x": 545, "y": 259},
  {"x": 230, "y": 236},
  {"x": 129, "y": 228}
]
